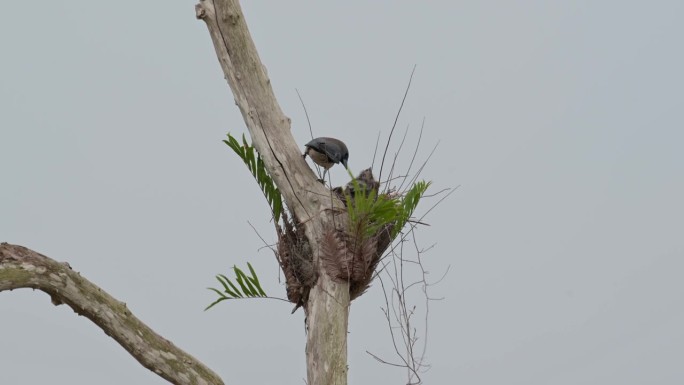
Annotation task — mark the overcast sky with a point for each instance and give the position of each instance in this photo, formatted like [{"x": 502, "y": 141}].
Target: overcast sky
[{"x": 561, "y": 122}]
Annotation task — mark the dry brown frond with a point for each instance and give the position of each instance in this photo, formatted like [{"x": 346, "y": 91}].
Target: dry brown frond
[{"x": 296, "y": 260}]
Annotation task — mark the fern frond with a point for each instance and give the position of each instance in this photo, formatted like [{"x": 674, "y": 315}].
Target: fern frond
[
  {"x": 256, "y": 166},
  {"x": 249, "y": 286},
  {"x": 369, "y": 212},
  {"x": 409, "y": 203}
]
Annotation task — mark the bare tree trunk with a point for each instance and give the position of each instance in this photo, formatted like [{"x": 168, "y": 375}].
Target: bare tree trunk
[{"x": 327, "y": 308}]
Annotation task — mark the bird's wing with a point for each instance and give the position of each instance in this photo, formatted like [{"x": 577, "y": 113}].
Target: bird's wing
[{"x": 334, "y": 156}]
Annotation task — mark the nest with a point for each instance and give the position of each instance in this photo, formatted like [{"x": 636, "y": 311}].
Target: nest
[
  {"x": 296, "y": 260},
  {"x": 346, "y": 256},
  {"x": 353, "y": 257}
]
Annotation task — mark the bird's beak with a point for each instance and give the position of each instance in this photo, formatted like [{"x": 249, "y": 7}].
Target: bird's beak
[{"x": 344, "y": 162}]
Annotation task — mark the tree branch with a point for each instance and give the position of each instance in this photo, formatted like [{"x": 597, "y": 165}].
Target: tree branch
[{"x": 23, "y": 268}]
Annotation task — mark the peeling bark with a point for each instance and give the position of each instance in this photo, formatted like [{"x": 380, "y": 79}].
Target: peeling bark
[
  {"x": 23, "y": 268},
  {"x": 327, "y": 308}
]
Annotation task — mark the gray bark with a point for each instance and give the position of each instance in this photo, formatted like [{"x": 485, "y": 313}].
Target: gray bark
[
  {"x": 24, "y": 268},
  {"x": 327, "y": 308}
]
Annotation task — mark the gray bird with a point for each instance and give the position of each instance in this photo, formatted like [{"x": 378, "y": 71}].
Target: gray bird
[{"x": 327, "y": 152}]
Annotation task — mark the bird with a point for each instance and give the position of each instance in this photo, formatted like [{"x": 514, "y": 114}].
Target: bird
[
  {"x": 326, "y": 152},
  {"x": 366, "y": 184}
]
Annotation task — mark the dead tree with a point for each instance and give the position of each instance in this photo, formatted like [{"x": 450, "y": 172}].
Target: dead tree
[
  {"x": 328, "y": 259},
  {"x": 327, "y": 305}
]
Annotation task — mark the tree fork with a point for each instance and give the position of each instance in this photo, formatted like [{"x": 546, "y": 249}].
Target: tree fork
[{"x": 327, "y": 308}]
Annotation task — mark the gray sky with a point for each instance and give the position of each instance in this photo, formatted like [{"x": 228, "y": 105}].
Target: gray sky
[{"x": 561, "y": 121}]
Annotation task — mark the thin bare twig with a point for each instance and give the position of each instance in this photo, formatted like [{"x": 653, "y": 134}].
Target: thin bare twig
[
  {"x": 396, "y": 154},
  {"x": 375, "y": 152},
  {"x": 415, "y": 152},
  {"x": 389, "y": 139},
  {"x": 306, "y": 113},
  {"x": 260, "y": 237},
  {"x": 422, "y": 166}
]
